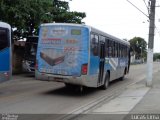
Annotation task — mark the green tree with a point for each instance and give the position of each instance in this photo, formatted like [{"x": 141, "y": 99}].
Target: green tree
[
  {"x": 27, "y": 15},
  {"x": 61, "y": 13},
  {"x": 156, "y": 56},
  {"x": 138, "y": 47}
]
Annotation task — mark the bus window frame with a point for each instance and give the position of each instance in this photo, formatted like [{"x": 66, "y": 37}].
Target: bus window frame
[
  {"x": 7, "y": 38},
  {"x": 116, "y": 49},
  {"x": 95, "y": 44},
  {"x": 113, "y": 48},
  {"x": 107, "y": 47}
]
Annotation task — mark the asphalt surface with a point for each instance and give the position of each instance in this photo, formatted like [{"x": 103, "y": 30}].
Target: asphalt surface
[{"x": 25, "y": 95}]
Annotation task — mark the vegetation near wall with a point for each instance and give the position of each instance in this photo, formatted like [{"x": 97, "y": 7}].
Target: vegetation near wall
[
  {"x": 25, "y": 16},
  {"x": 156, "y": 57},
  {"x": 138, "y": 48}
]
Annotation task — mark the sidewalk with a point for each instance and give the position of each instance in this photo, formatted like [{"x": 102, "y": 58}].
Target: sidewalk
[
  {"x": 150, "y": 104},
  {"x": 136, "y": 99}
]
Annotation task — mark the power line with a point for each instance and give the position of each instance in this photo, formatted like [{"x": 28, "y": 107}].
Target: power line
[
  {"x": 146, "y": 6},
  {"x": 144, "y": 13},
  {"x": 158, "y": 31},
  {"x": 138, "y": 9}
]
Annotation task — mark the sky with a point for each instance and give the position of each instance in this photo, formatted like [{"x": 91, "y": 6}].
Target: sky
[{"x": 119, "y": 18}]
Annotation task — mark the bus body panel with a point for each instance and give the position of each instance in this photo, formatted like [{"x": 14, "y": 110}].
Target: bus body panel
[
  {"x": 5, "y": 52},
  {"x": 5, "y": 56},
  {"x": 114, "y": 65},
  {"x": 62, "y": 50},
  {"x": 61, "y": 55}
]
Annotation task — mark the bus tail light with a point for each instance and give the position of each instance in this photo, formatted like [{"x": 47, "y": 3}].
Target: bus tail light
[{"x": 84, "y": 69}]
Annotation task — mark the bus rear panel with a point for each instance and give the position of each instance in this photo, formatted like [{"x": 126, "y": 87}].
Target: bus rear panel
[
  {"x": 62, "y": 53},
  {"x": 5, "y": 52}
]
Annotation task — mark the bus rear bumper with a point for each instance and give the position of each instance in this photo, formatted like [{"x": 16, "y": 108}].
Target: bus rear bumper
[{"x": 82, "y": 80}]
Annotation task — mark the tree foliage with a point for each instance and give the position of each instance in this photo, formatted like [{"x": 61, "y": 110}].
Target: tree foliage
[
  {"x": 61, "y": 13},
  {"x": 156, "y": 56},
  {"x": 27, "y": 15},
  {"x": 138, "y": 47}
]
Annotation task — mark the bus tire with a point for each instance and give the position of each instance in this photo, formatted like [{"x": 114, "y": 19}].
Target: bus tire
[
  {"x": 81, "y": 89},
  {"x": 106, "y": 83},
  {"x": 76, "y": 88},
  {"x": 124, "y": 73},
  {"x": 121, "y": 78}
]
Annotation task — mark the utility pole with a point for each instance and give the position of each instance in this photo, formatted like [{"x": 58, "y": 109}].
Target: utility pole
[{"x": 150, "y": 44}]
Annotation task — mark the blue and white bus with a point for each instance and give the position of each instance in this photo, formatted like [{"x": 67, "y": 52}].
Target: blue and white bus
[
  {"x": 77, "y": 54},
  {"x": 5, "y": 52}
]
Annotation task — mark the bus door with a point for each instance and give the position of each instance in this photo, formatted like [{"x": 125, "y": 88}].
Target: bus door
[{"x": 101, "y": 61}]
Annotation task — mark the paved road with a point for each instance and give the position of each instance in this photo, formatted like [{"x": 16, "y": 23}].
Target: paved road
[{"x": 26, "y": 95}]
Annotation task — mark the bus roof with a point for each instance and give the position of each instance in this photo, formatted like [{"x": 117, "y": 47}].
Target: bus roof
[
  {"x": 65, "y": 24},
  {"x": 91, "y": 29},
  {"x": 109, "y": 36},
  {"x": 5, "y": 25}
]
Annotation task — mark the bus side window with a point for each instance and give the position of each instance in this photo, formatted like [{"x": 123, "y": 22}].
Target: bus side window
[
  {"x": 123, "y": 51},
  {"x": 120, "y": 50},
  {"x": 113, "y": 48},
  {"x": 122, "y": 47},
  {"x": 110, "y": 48},
  {"x": 94, "y": 44},
  {"x": 107, "y": 47},
  {"x": 127, "y": 50},
  {"x": 4, "y": 41},
  {"x": 116, "y": 50}
]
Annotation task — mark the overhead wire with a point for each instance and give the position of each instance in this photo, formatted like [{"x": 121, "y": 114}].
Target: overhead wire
[
  {"x": 146, "y": 6},
  {"x": 148, "y": 9},
  {"x": 138, "y": 9}
]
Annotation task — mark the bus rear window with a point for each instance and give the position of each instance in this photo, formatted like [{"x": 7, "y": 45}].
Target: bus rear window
[
  {"x": 3, "y": 39},
  {"x": 75, "y": 32}
]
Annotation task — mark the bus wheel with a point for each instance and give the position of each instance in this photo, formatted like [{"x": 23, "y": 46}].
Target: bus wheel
[
  {"x": 106, "y": 83},
  {"x": 81, "y": 89},
  {"x": 122, "y": 78}
]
